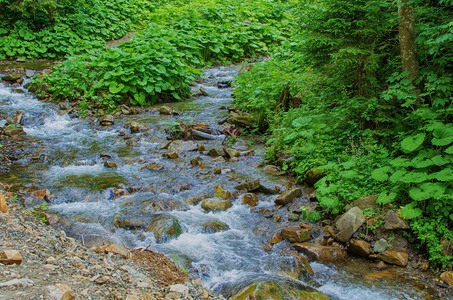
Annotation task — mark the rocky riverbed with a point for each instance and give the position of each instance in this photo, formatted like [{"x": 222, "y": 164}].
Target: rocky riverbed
[{"x": 224, "y": 215}]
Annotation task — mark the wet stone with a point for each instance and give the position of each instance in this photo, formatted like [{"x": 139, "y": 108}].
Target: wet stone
[
  {"x": 296, "y": 234},
  {"x": 359, "y": 247},
  {"x": 394, "y": 257},
  {"x": 393, "y": 221},
  {"x": 288, "y": 196},
  {"x": 249, "y": 199},
  {"x": 221, "y": 193},
  {"x": 172, "y": 155},
  {"x": 110, "y": 164},
  {"x": 293, "y": 217},
  {"x": 107, "y": 120}
]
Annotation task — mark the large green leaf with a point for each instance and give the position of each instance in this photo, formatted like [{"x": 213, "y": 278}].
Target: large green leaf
[
  {"x": 385, "y": 198},
  {"x": 301, "y": 121},
  {"x": 443, "y": 135},
  {"x": 115, "y": 87},
  {"x": 411, "y": 143},
  {"x": 380, "y": 174},
  {"x": 445, "y": 175},
  {"x": 411, "y": 212}
]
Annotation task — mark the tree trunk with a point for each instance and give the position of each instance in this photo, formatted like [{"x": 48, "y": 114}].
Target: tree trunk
[{"x": 406, "y": 35}]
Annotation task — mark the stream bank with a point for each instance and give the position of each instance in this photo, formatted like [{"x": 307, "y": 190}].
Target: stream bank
[{"x": 114, "y": 184}]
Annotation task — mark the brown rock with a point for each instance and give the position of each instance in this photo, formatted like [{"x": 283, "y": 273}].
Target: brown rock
[
  {"x": 52, "y": 219},
  {"x": 59, "y": 292},
  {"x": 365, "y": 202},
  {"x": 3, "y": 206},
  {"x": 394, "y": 257},
  {"x": 120, "y": 250},
  {"x": 277, "y": 238},
  {"x": 214, "y": 204},
  {"x": 273, "y": 170},
  {"x": 152, "y": 166},
  {"x": 296, "y": 234},
  {"x": 173, "y": 155},
  {"x": 448, "y": 277},
  {"x": 360, "y": 248},
  {"x": 232, "y": 152},
  {"x": 42, "y": 194},
  {"x": 220, "y": 192},
  {"x": 9, "y": 257},
  {"x": 323, "y": 254},
  {"x": 249, "y": 199},
  {"x": 393, "y": 221},
  {"x": 379, "y": 275},
  {"x": 379, "y": 265},
  {"x": 110, "y": 164},
  {"x": 288, "y": 196},
  {"x": 248, "y": 186}
]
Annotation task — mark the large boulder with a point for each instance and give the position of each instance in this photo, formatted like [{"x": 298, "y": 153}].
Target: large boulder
[
  {"x": 296, "y": 234},
  {"x": 260, "y": 290},
  {"x": 164, "y": 227},
  {"x": 216, "y": 204},
  {"x": 288, "y": 196},
  {"x": 349, "y": 223},
  {"x": 393, "y": 221},
  {"x": 249, "y": 199},
  {"x": 221, "y": 193},
  {"x": 323, "y": 254}
]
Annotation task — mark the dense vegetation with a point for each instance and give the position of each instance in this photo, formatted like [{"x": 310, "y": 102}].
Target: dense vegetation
[
  {"x": 347, "y": 108},
  {"x": 335, "y": 93}
]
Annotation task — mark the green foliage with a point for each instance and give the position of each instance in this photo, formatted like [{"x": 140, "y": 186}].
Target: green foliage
[{"x": 53, "y": 29}]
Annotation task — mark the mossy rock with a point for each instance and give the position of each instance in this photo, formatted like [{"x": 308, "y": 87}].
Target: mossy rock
[
  {"x": 314, "y": 175},
  {"x": 164, "y": 227},
  {"x": 214, "y": 226},
  {"x": 306, "y": 295},
  {"x": 260, "y": 290},
  {"x": 243, "y": 121}
]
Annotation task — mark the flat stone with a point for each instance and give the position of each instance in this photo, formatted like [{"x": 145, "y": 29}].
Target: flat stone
[
  {"x": 17, "y": 282},
  {"x": 180, "y": 289},
  {"x": 182, "y": 146},
  {"x": 12, "y": 77},
  {"x": 273, "y": 170},
  {"x": 394, "y": 257},
  {"x": 249, "y": 199},
  {"x": 152, "y": 166},
  {"x": 323, "y": 254},
  {"x": 277, "y": 238},
  {"x": 379, "y": 275},
  {"x": 10, "y": 257},
  {"x": 296, "y": 234},
  {"x": 232, "y": 152},
  {"x": 349, "y": 223},
  {"x": 216, "y": 152},
  {"x": 59, "y": 292},
  {"x": 288, "y": 196},
  {"x": 393, "y": 221},
  {"x": 359, "y": 247}
]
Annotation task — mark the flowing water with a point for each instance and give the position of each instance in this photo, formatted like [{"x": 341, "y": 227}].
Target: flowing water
[{"x": 68, "y": 162}]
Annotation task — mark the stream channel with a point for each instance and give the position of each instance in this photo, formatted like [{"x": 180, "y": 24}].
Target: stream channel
[{"x": 72, "y": 169}]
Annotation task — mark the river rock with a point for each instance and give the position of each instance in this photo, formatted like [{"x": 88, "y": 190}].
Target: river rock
[
  {"x": 393, "y": 221},
  {"x": 273, "y": 170},
  {"x": 293, "y": 217},
  {"x": 380, "y": 246},
  {"x": 14, "y": 130},
  {"x": 135, "y": 127},
  {"x": 12, "y": 77},
  {"x": 3, "y": 206},
  {"x": 277, "y": 238},
  {"x": 249, "y": 199},
  {"x": 173, "y": 155},
  {"x": 214, "y": 226},
  {"x": 59, "y": 292},
  {"x": 152, "y": 166},
  {"x": 306, "y": 295},
  {"x": 360, "y": 248},
  {"x": 165, "y": 110},
  {"x": 349, "y": 223},
  {"x": 215, "y": 204},
  {"x": 323, "y": 254},
  {"x": 260, "y": 290},
  {"x": 296, "y": 234},
  {"x": 393, "y": 257},
  {"x": 243, "y": 121},
  {"x": 215, "y": 152},
  {"x": 448, "y": 277},
  {"x": 221, "y": 193},
  {"x": 248, "y": 186},
  {"x": 10, "y": 257},
  {"x": 379, "y": 275},
  {"x": 107, "y": 120},
  {"x": 232, "y": 152},
  {"x": 314, "y": 175},
  {"x": 110, "y": 164},
  {"x": 288, "y": 196},
  {"x": 181, "y": 146},
  {"x": 164, "y": 227}
]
